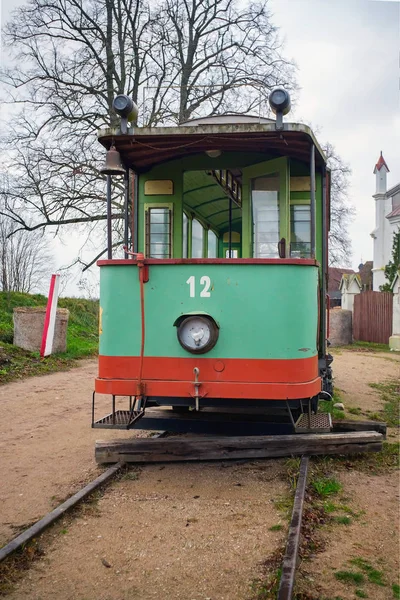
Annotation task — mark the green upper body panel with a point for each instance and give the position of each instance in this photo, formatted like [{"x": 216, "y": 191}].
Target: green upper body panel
[{"x": 263, "y": 311}]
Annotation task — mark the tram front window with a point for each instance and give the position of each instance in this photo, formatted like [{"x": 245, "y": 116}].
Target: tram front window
[{"x": 265, "y": 209}]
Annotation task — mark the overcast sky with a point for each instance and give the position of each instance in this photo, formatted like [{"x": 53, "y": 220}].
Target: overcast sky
[{"x": 347, "y": 53}]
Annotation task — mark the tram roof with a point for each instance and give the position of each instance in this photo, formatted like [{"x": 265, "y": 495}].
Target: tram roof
[{"x": 144, "y": 147}]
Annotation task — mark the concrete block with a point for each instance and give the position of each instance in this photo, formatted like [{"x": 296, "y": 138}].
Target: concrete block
[
  {"x": 340, "y": 327},
  {"x": 394, "y": 343},
  {"x": 28, "y": 328}
]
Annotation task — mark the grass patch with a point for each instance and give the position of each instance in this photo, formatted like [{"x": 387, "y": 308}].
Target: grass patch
[
  {"x": 267, "y": 585},
  {"x": 373, "y": 463},
  {"x": 350, "y": 577},
  {"x": 366, "y": 347},
  {"x": 354, "y": 410},
  {"x": 326, "y": 486},
  {"x": 361, "y": 594},
  {"x": 285, "y": 505},
  {"x": 129, "y": 475},
  {"x": 82, "y": 336},
  {"x": 330, "y": 507},
  {"x": 396, "y": 591},
  {"x": 390, "y": 394},
  {"x": 19, "y": 562},
  {"x": 342, "y": 520},
  {"x": 374, "y": 576},
  {"x": 276, "y": 528},
  {"x": 326, "y": 406}
]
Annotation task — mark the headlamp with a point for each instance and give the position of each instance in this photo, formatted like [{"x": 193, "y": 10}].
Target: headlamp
[{"x": 197, "y": 334}]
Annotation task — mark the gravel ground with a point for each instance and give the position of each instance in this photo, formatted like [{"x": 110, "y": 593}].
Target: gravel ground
[{"x": 189, "y": 531}]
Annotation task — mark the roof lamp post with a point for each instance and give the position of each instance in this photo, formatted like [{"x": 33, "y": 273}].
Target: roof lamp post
[
  {"x": 279, "y": 101},
  {"x": 126, "y": 108}
]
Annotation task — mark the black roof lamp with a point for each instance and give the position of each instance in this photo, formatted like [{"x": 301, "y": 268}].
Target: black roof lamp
[
  {"x": 125, "y": 107},
  {"x": 279, "y": 101}
]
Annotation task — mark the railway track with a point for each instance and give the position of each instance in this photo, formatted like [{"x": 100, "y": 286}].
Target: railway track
[
  {"x": 292, "y": 545},
  {"x": 293, "y": 539},
  {"x": 289, "y": 563},
  {"x": 38, "y": 528}
]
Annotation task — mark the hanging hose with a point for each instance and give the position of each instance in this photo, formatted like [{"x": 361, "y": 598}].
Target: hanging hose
[
  {"x": 140, "y": 388},
  {"x": 140, "y": 384}
]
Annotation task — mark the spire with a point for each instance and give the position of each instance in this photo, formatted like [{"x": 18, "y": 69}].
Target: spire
[
  {"x": 380, "y": 171},
  {"x": 381, "y": 163}
]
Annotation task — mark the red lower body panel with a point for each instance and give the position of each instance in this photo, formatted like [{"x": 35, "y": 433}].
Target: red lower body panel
[{"x": 259, "y": 379}]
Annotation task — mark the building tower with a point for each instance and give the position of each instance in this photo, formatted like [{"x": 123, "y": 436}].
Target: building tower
[{"x": 380, "y": 234}]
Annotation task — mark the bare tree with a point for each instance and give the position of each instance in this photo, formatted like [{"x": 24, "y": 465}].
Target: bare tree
[
  {"x": 223, "y": 58},
  {"x": 177, "y": 59},
  {"x": 342, "y": 212},
  {"x": 25, "y": 258}
]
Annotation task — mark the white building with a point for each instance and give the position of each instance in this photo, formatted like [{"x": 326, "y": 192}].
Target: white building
[
  {"x": 387, "y": 222},
  {"x": 350, "y": 286},
  {"x": 394, "y": 340}
]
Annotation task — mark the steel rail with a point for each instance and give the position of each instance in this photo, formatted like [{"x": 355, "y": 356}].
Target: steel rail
[
  {"x": 38, "y": 527},
  {"x": 290, "y": 559}
]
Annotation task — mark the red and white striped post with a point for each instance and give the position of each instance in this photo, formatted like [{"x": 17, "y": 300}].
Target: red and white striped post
[{"x": 50, "y": 318}]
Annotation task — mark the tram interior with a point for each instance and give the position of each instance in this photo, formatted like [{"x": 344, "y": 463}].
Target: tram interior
[
  {"x": 214, "y": 225},
  {"x": 212, "y": 214}
]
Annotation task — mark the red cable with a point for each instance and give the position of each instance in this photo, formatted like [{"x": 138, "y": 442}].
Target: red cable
[
  {"x": 140, "y": 387},
  {"x": 140, "y": 390}
]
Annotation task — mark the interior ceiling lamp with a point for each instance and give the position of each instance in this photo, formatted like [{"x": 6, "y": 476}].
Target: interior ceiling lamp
[
  {"x": 125, "y": 107},
  {"x": 113, "y": 164},
  {"x": 279, "y": 101},
  {"x": 213, "y": 153}
]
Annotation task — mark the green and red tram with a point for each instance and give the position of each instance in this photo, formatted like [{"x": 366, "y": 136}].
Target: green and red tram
[{"x": 220, "y": 299}]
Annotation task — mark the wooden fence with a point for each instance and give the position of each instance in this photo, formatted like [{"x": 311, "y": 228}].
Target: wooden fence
[{"x": 372, "y": 317}]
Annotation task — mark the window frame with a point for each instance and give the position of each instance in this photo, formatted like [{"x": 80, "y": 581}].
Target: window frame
[
  {"x": 149, "y": 206},
  {"x": 206, "y": 228},
  {"x": 256, "y": 224},
  {"x": 293, "y": 203},
  {"x": 280, "y": 166}
]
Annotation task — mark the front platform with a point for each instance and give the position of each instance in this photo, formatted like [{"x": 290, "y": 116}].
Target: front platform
[{"x": 215, "y": 421}]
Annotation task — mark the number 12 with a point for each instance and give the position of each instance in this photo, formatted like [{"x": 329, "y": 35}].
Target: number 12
[{"x": 204, "y": 281}]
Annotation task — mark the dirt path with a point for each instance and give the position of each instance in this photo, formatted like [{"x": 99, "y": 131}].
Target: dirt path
[
  {"x": 46, "y": 443},
  {"x": 187, "y": 532},
  {"x": 372, "y": 537},
  {"x": 354, "y": 371},
  {"x": 184, "y": 532}
]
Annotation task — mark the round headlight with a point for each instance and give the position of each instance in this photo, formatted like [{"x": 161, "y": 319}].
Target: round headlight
[
  {"x": 279, "y": 101},
  {"x": 197, "y": 334}
]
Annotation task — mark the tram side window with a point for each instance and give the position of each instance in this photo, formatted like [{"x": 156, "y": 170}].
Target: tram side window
[
  {"x": 300, "y": 231},
  {"x": 212, "y": 244},
  {"x": 204, "y": 242},
  {"x": 185, "y": 236},
  {"x": 158, "y": 232},
  {"x": 197, "y": 239},
  {"x": 265, "y": 208}
]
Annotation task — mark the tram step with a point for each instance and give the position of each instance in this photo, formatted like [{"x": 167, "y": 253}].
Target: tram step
[
  {"x": 120, "y": 419},
  {"x": 319, "y": 423}
]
